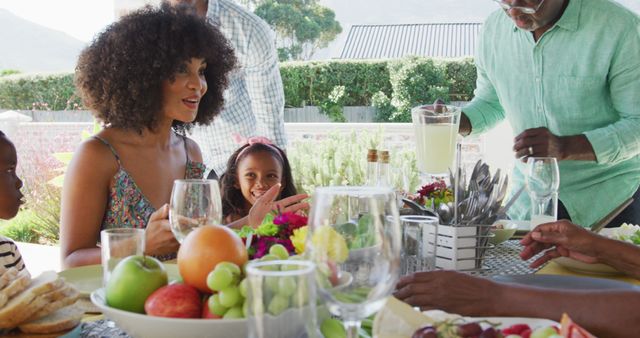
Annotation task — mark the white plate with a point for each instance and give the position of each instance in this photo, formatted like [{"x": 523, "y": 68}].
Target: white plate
[
  {"x": 566, "y": 282},
  {"x": 89, "y": 278},
  {"x": 597, "y": 269},
  {"x": 502, "y": 322}
]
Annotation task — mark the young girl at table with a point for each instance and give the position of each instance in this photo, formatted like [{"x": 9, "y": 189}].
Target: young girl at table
[
  {"x": 10, "y": 200},
  {"x": 252, "y": 170},
  {"x": 147, "y": 78}
]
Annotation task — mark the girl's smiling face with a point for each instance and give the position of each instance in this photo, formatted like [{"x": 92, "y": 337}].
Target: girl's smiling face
[
  {"x": 257, "y": 172},
  {"x": 10, "y": 183}
]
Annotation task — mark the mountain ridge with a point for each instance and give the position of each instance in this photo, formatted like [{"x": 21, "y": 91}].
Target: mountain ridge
[{"x": 24, "y": 42}]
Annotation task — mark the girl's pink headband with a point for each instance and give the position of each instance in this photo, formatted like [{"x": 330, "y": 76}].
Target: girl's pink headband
[{"x": 239, "y": 139}]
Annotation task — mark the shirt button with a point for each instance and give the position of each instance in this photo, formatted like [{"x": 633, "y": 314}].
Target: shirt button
[{"x": 538, "y": 80}]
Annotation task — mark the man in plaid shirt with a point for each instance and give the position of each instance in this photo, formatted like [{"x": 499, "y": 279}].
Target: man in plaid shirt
[{"x": 254, "y": 99}]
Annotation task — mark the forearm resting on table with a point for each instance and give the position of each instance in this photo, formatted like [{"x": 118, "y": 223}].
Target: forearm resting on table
[
  {"x": 80, "y": 257},
  {"x": 603, "y": 313},
  {"x": 623, "y": 256},
  {"x": 577, "y": 148}
]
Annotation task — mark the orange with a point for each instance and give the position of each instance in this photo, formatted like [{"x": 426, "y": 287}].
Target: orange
[{"x": 204, "y": 248}]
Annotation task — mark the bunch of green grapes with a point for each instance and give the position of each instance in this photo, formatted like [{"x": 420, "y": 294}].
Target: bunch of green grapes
[
  {"x": 283, "y": 292},
  {"x": 230, "y": 288},
  {"x": 229, "y": 298}
]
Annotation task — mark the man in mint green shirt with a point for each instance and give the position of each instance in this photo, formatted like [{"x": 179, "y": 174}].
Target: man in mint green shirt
[{"x": 566, "y": 75}]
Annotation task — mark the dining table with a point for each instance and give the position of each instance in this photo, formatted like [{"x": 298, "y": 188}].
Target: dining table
[{"x": 502, "y": 261}]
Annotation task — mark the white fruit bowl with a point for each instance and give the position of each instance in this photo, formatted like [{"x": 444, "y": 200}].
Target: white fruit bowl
[{"x": 142, "y": 326}]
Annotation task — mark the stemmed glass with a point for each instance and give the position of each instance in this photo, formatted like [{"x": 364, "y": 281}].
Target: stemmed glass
[
  {"x": 542, "y": 180},
  {"x": 194, "y": 203},
  {"x": 354, "y": 239}
]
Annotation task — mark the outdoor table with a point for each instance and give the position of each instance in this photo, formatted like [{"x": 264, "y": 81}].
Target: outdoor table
[{"x": 504, "y": 259}]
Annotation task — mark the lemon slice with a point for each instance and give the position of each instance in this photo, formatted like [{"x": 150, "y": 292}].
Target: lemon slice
[
  {"x": 398, "y": 320},
  {"x": 331, "y": 243}
]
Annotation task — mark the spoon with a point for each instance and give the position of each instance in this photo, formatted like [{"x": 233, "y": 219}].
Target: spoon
[
  {"x": 444, "y": 212},
  {"x": 421, "y": 210}
]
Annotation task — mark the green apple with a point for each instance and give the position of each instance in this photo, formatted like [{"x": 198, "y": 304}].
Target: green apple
[
  {"x": 543, "y": 332},
  {"x": 133, "y": 280}
]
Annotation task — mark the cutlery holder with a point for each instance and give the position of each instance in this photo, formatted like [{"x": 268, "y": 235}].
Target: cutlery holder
[{"x": 462, "y": 247}]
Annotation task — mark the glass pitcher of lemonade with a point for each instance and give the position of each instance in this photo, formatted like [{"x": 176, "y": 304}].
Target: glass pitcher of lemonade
[{"x": 436, "y": 131}]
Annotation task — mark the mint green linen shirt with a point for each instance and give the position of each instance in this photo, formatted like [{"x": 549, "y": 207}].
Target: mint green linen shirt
[{"x": 581, "y": 77}]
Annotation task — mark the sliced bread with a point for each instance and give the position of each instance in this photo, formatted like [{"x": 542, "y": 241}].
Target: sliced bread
[
  {"x": 60, "y": 320},
  {"x": 67, "y": 295},
  {"x": 19, "y": 283},
  {"x": 25, "y": 304},
  {"x": 7, "y": 276}
]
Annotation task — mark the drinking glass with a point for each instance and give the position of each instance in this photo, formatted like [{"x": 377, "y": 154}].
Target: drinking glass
[
  {"x": 436, "y": 130},
  {"x": 116, "y": 244},
  {"x": 419, "y": 235},
  {"x": 281, "y": 299},
  {"x": 194, "y": 203},
  {"x": 542, "y": 179},
  {"x": 354, "y": 238}
]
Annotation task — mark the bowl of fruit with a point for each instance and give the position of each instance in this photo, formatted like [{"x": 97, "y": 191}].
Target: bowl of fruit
[{"x": 208, "y": 295}]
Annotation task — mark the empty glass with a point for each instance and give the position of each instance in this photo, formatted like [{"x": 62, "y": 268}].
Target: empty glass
[
  {"x": 542, "y": 179},
  {"x": 281, "y": 299},
  {"x": 116, "y": 244},
  {"x": 354, "y": 239},
  {"x": 194, "y": 203},
  {"x": 419, "y": 235}
]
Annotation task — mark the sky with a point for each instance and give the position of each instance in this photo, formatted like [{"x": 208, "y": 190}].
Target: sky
[{"x": 81, "y": 19}]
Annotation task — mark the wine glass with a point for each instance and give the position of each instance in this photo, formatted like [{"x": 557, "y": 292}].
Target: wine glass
[
  {"x": 354, "y": 238},
  {"x": 194, "y": 203},
  {"x": 542, "y": 180}
]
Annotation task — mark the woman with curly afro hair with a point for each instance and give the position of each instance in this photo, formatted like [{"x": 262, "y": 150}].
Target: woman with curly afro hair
[{"x": 147, "y": 78}]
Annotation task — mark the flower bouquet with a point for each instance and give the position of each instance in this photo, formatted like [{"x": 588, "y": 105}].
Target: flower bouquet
[
  {"x": 288, "y": 229},
  {"x": 433, "y": 194}
]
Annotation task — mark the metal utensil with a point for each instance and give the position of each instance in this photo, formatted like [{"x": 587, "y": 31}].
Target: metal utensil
[
  {"x": 445, "y": 213},
  {"x": 421, "y": 210},
  {"x": 599, "y": 225},
  {"x": 503, "y": 210}
]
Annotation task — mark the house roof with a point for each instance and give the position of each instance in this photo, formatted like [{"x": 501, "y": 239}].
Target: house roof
[{"x": 396, "y": 41}]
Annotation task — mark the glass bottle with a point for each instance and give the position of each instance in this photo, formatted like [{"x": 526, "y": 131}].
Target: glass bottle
[
  {"x": 383, "y": 169},
  {"x": 372, "y": 167}
]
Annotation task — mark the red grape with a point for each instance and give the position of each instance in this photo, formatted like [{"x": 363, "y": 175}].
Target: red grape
[
  {"x": 425, "y": 332},
  {"x": 469, "y": 330}
]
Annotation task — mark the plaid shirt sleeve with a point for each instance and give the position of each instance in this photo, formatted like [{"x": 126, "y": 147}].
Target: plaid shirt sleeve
[
  {"x": 254, "y": 98},
  {"x": 264, "y": 85}
]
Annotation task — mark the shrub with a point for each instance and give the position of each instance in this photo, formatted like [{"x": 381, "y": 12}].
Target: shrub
[
  {"x": 414, "y": 81},
  {"x": 341, "y": 159},
  {"x": 38, "y": 92},
  {"x": 404, "y": 82},
  {"x": 309, "y": 83}
]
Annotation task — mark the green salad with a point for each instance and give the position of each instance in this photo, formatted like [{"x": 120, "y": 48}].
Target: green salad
[{"x": 628, "y": 233}]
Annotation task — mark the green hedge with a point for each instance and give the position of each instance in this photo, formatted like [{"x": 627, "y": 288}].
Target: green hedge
[
  {"x": 403, "y": 82},
  {"x": 39, "y": 92}
]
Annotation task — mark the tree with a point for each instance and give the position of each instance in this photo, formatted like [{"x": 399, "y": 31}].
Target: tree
[{"x": 302, "y": 26}]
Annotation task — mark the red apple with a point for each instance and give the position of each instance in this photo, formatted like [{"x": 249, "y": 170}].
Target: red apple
[
  {"x": 206, "y": 313},
  {"x": 175, "y": 301}
]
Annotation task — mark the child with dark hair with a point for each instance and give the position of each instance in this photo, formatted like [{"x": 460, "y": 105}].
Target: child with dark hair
[
  {"x": 10, "y": 201},
  {"x": 252, "y": 170}
]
